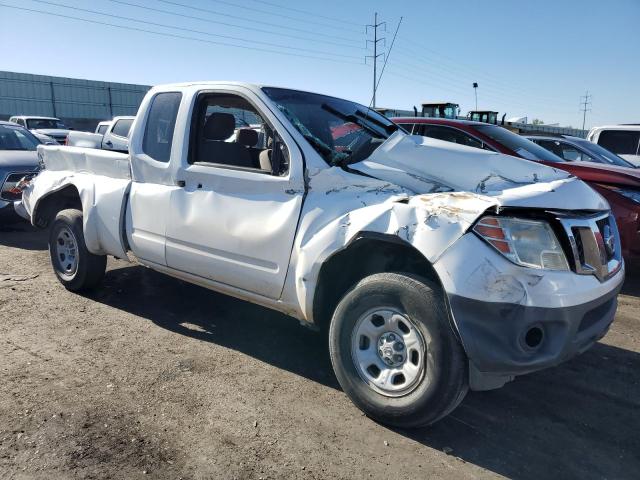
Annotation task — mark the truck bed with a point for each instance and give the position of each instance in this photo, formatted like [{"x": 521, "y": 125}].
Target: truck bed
[
  {"x": 86, "y": 160},
  {"x": 101, "y": 180}
]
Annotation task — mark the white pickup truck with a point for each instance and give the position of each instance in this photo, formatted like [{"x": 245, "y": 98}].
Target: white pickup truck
[
  {"x": 114, "y": 136},
  {"x": 435, "y": 268}
]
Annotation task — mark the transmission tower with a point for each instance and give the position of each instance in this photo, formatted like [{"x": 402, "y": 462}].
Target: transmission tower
[
  {"x": 375, "y": 26},
  {"x": 585, "y": 103}
]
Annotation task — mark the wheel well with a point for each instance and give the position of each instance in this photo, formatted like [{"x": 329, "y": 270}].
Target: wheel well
[
  {"x": 49, "y": 206},
  {"x": 366, "y": 255}
]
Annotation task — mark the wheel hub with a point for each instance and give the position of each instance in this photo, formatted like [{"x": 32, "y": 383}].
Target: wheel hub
[
  {"x": 391, "y": 349},
  {"x": 388, "y": 351},
  {"x": 66, "y": 251}
]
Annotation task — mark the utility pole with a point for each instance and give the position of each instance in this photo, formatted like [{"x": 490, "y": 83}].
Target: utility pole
[
  {"x": 375, "y": 55},
  {"x": 475, "y": 89},
  {"x": 585, "y": 101}
]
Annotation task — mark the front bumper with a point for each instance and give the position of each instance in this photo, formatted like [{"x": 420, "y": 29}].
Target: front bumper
[
  {"x": 513, "y": 320},
  {"x": 503, "y": 340}
]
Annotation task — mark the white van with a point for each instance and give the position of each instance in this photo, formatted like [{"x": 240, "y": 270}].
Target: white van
[{"x": 623, "y": 140}]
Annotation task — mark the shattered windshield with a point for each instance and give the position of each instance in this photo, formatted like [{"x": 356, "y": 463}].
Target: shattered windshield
[{"x": 342, "y": 132}]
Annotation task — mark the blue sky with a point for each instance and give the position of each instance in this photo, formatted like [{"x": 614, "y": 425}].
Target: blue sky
[{"x": 532, "y": 58}]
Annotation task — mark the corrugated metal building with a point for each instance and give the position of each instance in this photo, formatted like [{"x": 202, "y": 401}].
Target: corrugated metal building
[{"x": 81, "y": 104}]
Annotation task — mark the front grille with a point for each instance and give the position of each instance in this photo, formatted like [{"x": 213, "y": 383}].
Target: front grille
[
  {"x": 595, "y": 244},
  {"x": 10, "y": 182}
]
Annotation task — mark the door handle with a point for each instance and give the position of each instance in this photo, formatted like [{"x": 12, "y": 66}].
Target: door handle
[
  {"x": 181, "y": 183},
  {"x": 108, "y": 143}
]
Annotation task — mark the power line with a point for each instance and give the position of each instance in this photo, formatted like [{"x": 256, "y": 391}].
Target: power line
[
  {"x": 172, "y": 35},
  {"x": 452, "y": 80},
  {"x": 375, "y": 55},
  {"x": 191, "y": 30},
  {"x": 306, "y": 12},
  {"x": 584, "y": 104},
  {"x": 266, "y": 12},
  {"x": 448, "y": 87},
  {"x": 242, "y": 27},
  {"x": 456, "y": 67},
  {"x": 236, "y": 17}
]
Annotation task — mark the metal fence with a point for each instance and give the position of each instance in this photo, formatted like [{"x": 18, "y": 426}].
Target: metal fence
[{"x": 80, "y": 103}]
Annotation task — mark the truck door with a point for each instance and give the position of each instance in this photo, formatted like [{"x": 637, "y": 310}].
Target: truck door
[
  {"x": 233, "y": 220},
  {"x": 149, "y": 198}
]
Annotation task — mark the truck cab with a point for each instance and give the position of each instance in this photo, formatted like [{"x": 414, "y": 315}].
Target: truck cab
[
  {"x": 484, "y": 116},
  {"x": 110, "y": 135},
  {"x": 440, "y": 109}
]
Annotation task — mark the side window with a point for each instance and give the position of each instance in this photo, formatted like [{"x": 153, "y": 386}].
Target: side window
[
  {"x": 552, "y": 146},
  {"x": 122, "y": 127},
  {"x": 161, "y": 123},
  {"x": 622, "y": 142},
  {"x": 102, "y": 129},
  {"x": 227, "y": 130},
  {"x": 451, "y": 135},
  {"x": 572, "y": 154}
]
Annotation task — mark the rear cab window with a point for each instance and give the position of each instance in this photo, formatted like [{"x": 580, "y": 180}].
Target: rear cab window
[
  {"x": 121, "y": 128},
  {"x": 161, "y": 124},
  {"x": 621, "y": 142}
]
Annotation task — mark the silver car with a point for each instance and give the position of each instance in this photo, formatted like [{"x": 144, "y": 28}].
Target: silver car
[{"x": 18, "y": 158}]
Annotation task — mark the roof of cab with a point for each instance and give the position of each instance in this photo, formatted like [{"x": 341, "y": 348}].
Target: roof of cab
[{"x": 34, "y": 117}]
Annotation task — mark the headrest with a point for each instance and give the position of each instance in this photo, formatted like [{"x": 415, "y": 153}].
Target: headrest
[
  {"x": 247, "y": 137},
  {"x": 265, "y": 160},
  {"x": 219, "y": 126}
]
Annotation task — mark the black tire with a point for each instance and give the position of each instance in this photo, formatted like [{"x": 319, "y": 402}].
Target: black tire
[
  {"x": 87, "y": 270},
  {"x": 445, "y": 382}
]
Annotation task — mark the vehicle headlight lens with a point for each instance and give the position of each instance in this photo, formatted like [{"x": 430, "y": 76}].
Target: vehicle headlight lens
[{"x": 530, "y": 243}]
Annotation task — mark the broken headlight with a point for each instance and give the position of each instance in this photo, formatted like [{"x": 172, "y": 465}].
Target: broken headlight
[{"x": 530, "y": 243}]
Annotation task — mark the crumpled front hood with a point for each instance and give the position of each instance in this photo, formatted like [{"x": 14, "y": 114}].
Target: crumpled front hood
[{"x": 425, "y": 165}]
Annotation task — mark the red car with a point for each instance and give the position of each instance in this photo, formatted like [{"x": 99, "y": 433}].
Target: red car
[{"x": 619, "y": 185}]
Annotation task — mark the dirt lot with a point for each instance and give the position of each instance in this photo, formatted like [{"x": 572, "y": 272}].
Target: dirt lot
[{"x": 151, "y": 377}]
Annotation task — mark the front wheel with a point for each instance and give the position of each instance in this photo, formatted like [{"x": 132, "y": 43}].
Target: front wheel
[
  {"x": 394, "y": 351},
  {"x": 75, "y": 267}
]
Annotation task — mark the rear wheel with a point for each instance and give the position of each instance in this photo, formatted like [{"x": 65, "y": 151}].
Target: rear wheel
[
  {"x": 394, "y": 351},
  {"x": 75, "y": 267}
]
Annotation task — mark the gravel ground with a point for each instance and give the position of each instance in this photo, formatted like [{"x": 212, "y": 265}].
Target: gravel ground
[{"x": 150, "y": 377}]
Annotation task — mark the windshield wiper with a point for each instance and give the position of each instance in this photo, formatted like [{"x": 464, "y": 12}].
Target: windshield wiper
[
  {"x": 353, "y": 119},
  {"x": 389, "y": 128}
]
